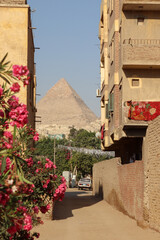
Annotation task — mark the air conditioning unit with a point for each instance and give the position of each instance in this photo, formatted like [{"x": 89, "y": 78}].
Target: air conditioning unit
[{"x": 98, "y": 93}]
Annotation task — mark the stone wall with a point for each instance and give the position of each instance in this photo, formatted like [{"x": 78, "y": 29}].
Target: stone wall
[{"x": 121, "y": 185}]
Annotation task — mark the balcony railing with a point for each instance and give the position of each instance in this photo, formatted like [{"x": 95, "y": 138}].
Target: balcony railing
[
  {"x": 141, "y": 52},
  {"x": 142, "y": 41}
]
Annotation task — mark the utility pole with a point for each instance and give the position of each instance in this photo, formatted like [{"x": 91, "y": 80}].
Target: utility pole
[{"x": 54, "y": 155}]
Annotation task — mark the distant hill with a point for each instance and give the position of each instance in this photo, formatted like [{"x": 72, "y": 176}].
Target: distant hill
[{"x": 62, "y": 108}]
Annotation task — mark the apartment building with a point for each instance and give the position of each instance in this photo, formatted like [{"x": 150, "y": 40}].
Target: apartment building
[
  {"x": 129, "y": 33},
  {"x": 16, "y": 39}
]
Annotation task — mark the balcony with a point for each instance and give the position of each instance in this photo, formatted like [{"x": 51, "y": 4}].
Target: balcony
[
  {"x": 141, "y": 5},
  {"x": 141, "y": 53}
]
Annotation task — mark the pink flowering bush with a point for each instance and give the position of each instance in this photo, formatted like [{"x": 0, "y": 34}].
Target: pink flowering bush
[{"x": 27, "y": 185}]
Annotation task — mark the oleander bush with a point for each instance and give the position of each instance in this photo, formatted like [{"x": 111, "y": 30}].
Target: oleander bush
[{"x": 27, "y": 185}]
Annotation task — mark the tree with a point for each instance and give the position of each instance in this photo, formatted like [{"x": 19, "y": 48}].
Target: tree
[
  {"x": 66, "y": 161},
  {"x": 84, "y": 138},
  {"x": 45, "y": 147}
]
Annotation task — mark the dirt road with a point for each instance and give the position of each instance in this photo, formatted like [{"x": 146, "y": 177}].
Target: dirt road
[{"x": 81, "y": 216}]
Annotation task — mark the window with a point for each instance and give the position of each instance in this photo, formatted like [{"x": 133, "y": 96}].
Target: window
[
  {"x": 135, "y": 82},
  {"x": 107, "y": 111},
  {"x": 109, "y": 107},
  {"x": 140, "y": 21},
  {"x": 111, "y": 102}
]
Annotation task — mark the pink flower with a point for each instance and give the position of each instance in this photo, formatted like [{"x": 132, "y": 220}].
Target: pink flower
[
  {"x": 36, "y": 210},
  {"x": 59, "y": 192},
  {"x": 8, "y": 163},
  {"x": 8, "y": 134},
  {"x": 36, "y": 137},
  {"x": 1, "y": 113},
  {"x": 4, "y": 198},
  {"x": 63, "y": 180},
  {"x": 19, "y": 71},
  {"x": 1, "y": 91},
  {"x": 9, "y": 142},
  {"x": 7, "y": 145},
  {"x": 27, "y": 222},
  {"x": 46, "y": 184},
  {"x": 13, "y": 101},
  {"x": 29, "y": 162},
  {"x": 22, "y": 209},
  {"x": 50, "y": 164},
  {"x": 12, "y": 230},
  {"x": 19, "y": 116},
  {"x": 26, "y": 81},
  {"x": 45, "y": 209},
  {"x": 15, "y": 87}
]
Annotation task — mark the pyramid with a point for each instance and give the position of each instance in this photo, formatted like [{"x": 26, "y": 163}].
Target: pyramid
[{"x": 63, "y": 106}]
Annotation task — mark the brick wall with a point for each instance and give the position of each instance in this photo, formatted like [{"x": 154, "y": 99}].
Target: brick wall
[
  {"x": 134, "y": 188},
  {"x": 152, "y": 174},
  {"x": 13, "y": 1},
  {"x": 121, "y": 185},
  {"x": 116, "y": 106},
  {"x": 141, "y": 54},
  {"x": 131, "y": 179}
]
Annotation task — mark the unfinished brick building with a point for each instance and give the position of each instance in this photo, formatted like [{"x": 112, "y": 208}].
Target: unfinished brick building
[
  {"x": 130, "y": 62},
  {"x": 129, "y": 33}
]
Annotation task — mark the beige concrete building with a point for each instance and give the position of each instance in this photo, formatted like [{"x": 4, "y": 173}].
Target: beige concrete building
[
  {"x": 130, "y": 63},
  {"x": 16, "y": 38}
]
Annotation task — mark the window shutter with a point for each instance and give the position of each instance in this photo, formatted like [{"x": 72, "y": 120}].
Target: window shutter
[
  {"x": 107, "y": 111},
  {"x": 111, "y": 102}
]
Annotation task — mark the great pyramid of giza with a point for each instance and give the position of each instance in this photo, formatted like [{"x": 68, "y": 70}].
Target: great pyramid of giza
[{"x": 62, "y": 106}]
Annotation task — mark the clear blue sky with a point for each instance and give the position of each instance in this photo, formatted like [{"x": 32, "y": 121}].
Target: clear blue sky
[{"x": 67, "y": 34}]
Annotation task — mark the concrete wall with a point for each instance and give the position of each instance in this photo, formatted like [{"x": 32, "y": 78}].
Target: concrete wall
[
  {"x": 16, "y": 39},
  {"x": 121, "y": 185},
  {"x": 146, "y": 91},
  {"x": 13, "y": 1},
  {"x": 146, "y": 30}
]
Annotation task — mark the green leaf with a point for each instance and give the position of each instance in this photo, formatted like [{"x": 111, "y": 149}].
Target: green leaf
[
  {"x": 3, "y": 165},
  {"x": 14, "y": 134},
  {"x": 4, "y": 58},
  {"x": 5, "y": 64},
  {"x": 3, "y": 151},
  {"x": 4, "y": 78},
  {"x": 27, "y": 181},
  {"x": 148, "y": 105},
  {"x": 19, "y": 175}
]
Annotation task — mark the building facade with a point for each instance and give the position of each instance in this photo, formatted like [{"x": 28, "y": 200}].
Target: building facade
[
  {"x": 17, "y": 40},
  {"x": 130, "y": 63}
]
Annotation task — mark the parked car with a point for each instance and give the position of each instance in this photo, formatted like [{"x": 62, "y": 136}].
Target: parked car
[{"x": 85, "y": 183}]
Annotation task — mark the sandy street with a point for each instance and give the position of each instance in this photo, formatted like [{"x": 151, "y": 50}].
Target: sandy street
[{"x": 81, "y": 216}]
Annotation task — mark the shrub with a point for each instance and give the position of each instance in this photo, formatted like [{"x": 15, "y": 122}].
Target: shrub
[{"x": 27, "y": 184}]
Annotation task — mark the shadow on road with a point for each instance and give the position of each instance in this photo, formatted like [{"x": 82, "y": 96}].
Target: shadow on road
[{"x": 74, "y": 199}]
